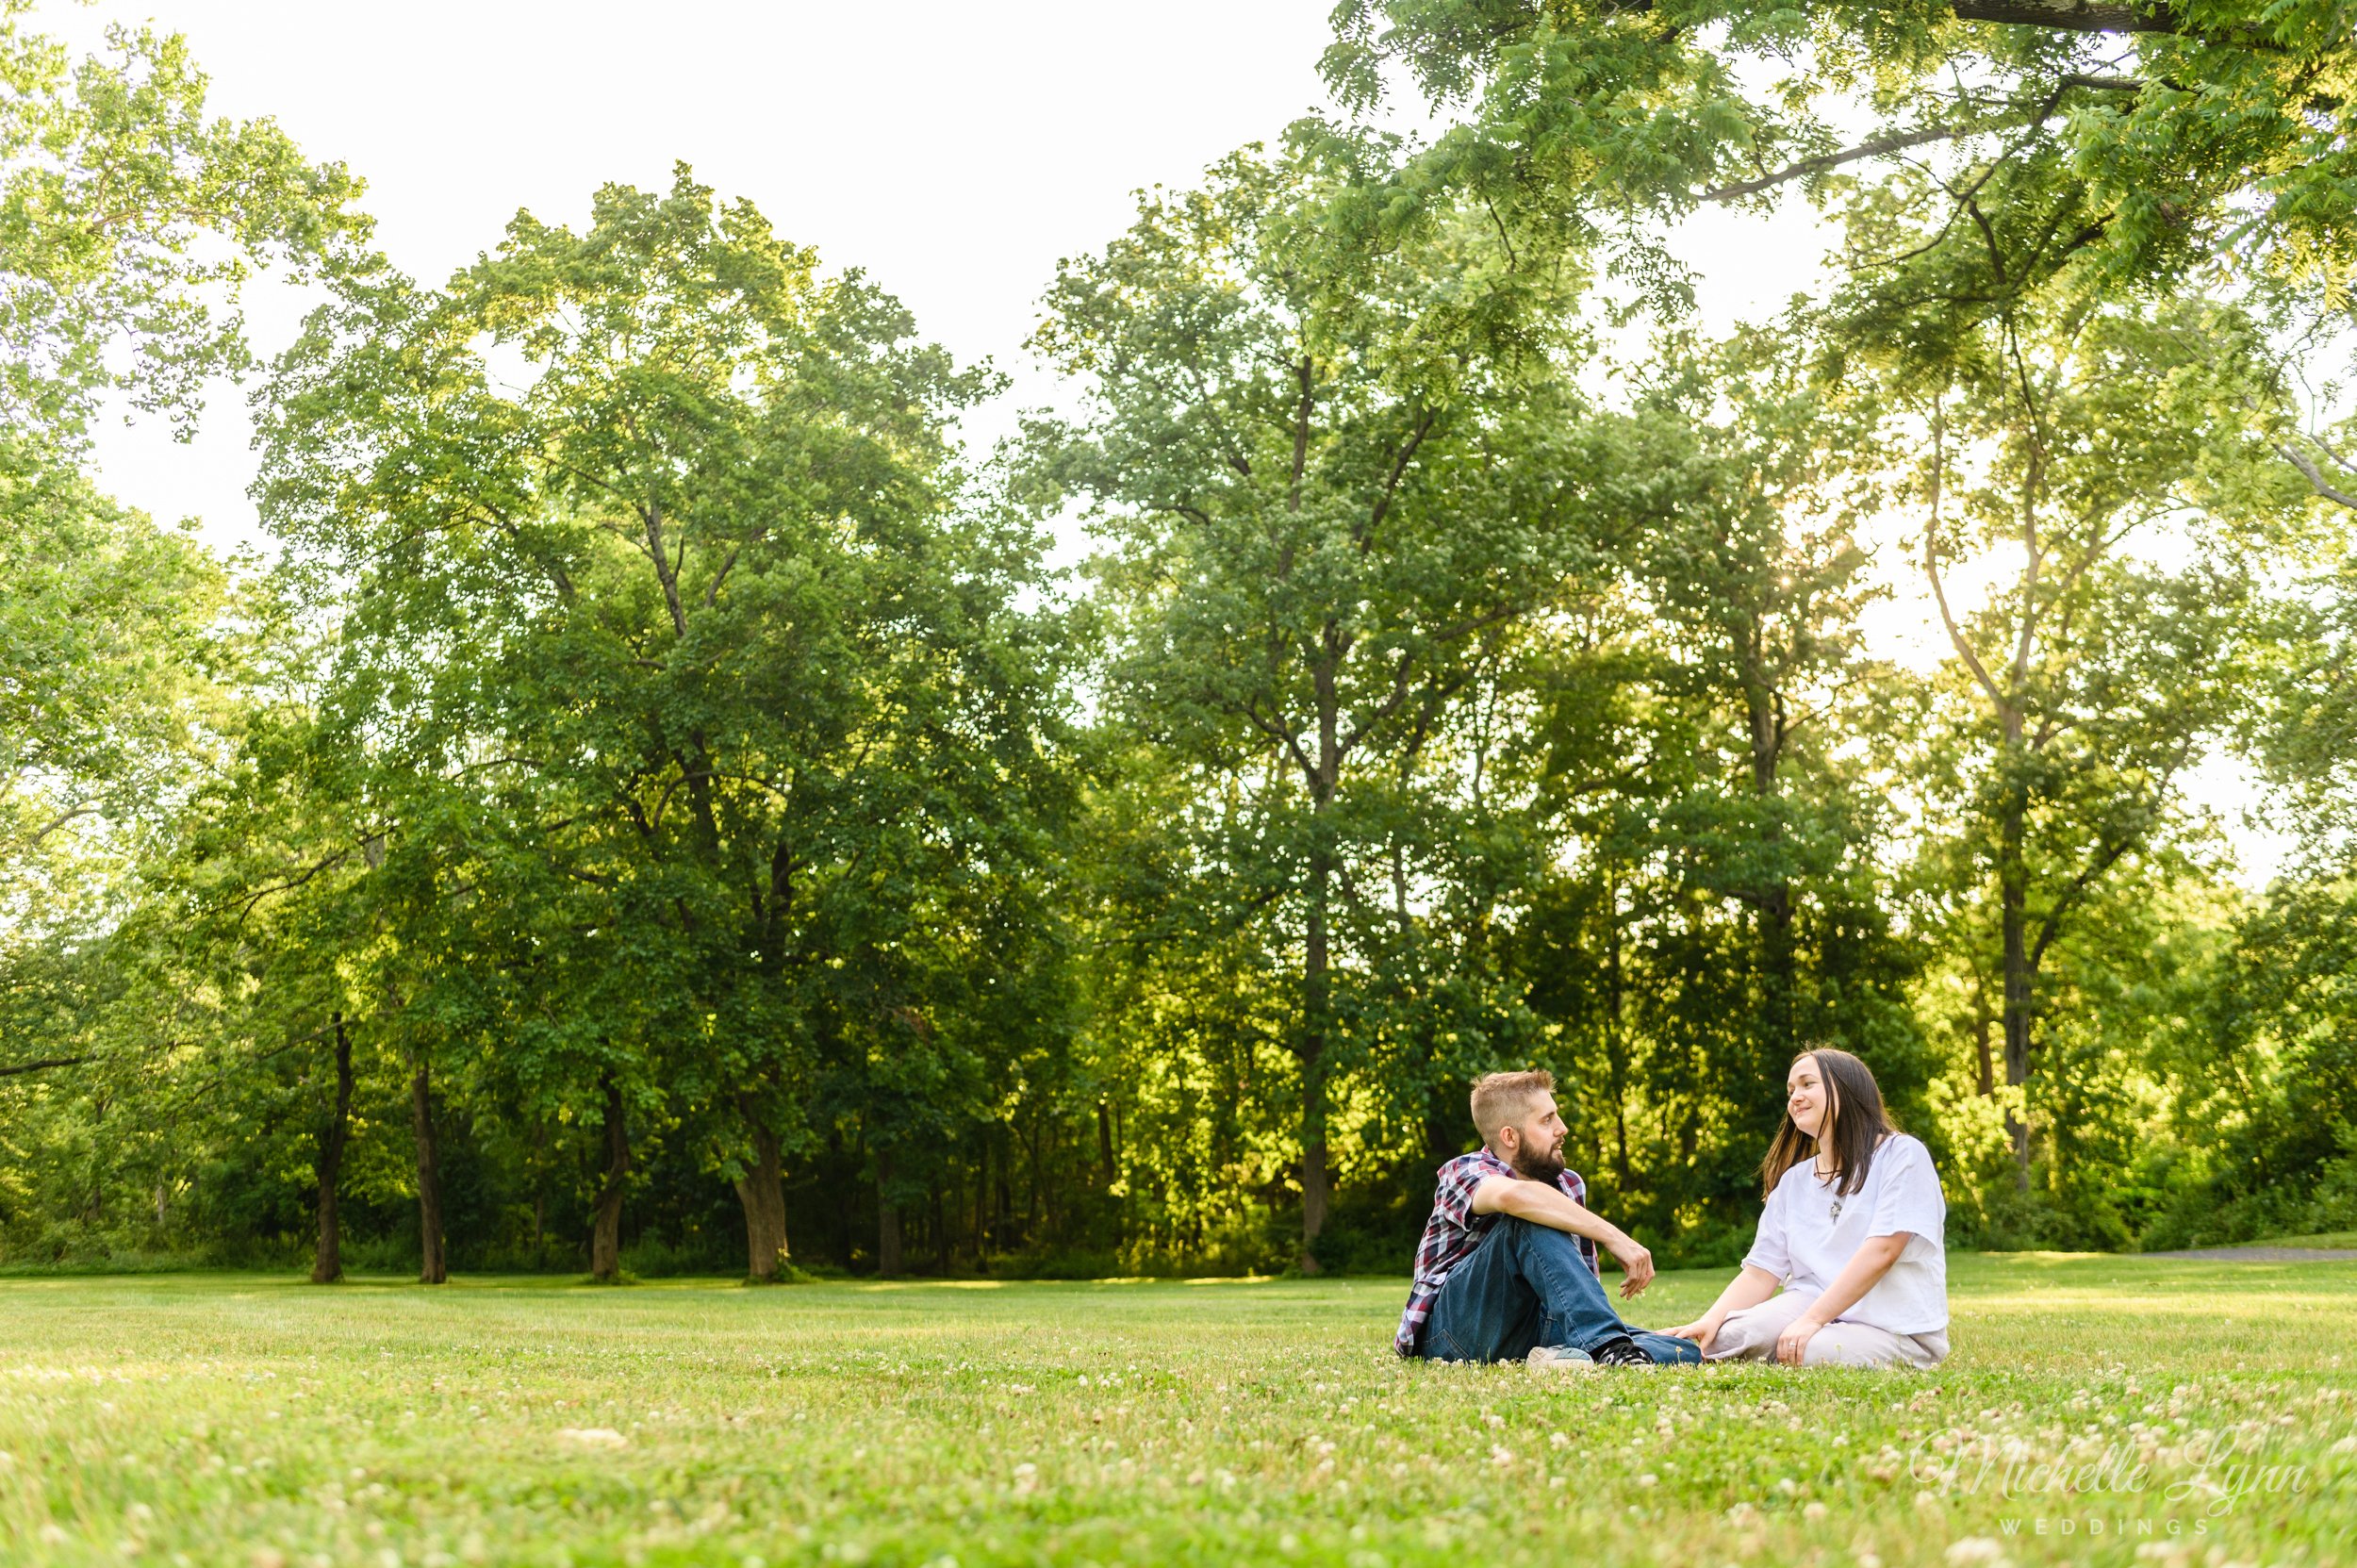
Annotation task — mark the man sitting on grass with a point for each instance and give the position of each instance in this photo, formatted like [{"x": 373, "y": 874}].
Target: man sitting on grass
[{"x": 1507, "y": 1270}]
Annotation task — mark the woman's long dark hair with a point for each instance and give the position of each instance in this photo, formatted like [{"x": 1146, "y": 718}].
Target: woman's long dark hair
[{"x": 1853, "y": 1109}]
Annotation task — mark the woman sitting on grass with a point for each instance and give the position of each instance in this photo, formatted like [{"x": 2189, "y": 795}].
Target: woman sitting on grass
[{"x": 1851, "y": 1233}]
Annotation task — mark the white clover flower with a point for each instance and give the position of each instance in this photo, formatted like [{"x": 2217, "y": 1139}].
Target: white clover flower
[{"x": 592, "y": 1437}]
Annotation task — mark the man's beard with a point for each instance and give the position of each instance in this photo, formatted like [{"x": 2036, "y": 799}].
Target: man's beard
[{"x": 1536, "y": 1165}]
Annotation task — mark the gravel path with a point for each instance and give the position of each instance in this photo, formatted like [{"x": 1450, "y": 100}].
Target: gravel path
[{"x": 2264, "y": 1254}]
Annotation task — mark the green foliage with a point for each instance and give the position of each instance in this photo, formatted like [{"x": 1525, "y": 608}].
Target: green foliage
[
  {"x": 128, "y": 223},
  {"x": 729, "y": 766},
  {"x": 661, "y": 792},
  {"x": 1334, "y": 486},
  {"x": 2216, "y": 134}
]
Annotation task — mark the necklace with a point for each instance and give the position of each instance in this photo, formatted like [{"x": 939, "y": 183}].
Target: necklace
[{"x": 1835, "y": 1213}]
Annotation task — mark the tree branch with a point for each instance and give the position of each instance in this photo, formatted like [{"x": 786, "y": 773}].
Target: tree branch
[
  {"x": 1898, "y": 142},
  {"x": 2315, "y": 476},
  {"x": 1931, "y": 568},
  {"x": 2063, "y": 16},
  {"x": 2070, "y": 16},
  {"x": 16, "y": 1068},
  {"x": 1391, "y": 485}
]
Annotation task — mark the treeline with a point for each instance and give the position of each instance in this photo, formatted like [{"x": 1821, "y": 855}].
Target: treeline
[{"x": 658, "y": 809}]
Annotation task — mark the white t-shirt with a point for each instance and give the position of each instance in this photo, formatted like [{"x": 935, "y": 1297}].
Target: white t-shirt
[{"x": 1804, "y": 1242}]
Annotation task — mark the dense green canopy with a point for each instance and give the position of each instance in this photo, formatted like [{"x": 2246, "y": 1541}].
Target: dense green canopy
[{"x": 659, "y": 809}]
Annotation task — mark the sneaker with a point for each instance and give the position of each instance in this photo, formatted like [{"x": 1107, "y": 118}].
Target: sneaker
[
  {"x": 1623, "y": 1351},
  {"x": 1550, "y": 1359}
]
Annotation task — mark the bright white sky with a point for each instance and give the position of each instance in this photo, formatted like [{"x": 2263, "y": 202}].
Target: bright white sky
[{"x": 952, "y": 151}]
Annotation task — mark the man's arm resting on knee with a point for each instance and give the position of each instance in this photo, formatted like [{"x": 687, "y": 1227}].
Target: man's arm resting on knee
[{"x": 1543, "y": 1204}]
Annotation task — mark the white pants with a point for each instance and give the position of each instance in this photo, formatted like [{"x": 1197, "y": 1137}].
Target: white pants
[{"x": 1749, "y": 1335}]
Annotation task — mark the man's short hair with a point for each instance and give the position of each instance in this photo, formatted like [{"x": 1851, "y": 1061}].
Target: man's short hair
[{"x": 1500, "y": 1099}]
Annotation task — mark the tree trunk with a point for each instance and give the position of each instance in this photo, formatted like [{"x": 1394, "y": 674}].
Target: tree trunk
[
  {"x": 95, "y": 1209},
  {"x": 1031, "y": 1182},
  {"x": 605, "y": 1235},
  {"x": 327, "y": 1264},
  {"x": 1615, "y": 1037},
  {"x": 433, "y": 1267},
  {"x": 887, "y": 1220},
  {"x": 1316, "y": 994},
  {"x": 540, "y": 1185},
  {"x": 982, "y": 1208},
  {"x": 1981, "y": 1022},
  {"x": 2013, "y": 883},
  {"x": 1780, "y": 1015},
  {"x": 762, "y": 1191},
  {"x": 1317, "y": 979},
  {"x": 1780, "y": 1009}
]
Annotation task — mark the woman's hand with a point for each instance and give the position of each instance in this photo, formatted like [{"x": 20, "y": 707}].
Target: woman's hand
[
  {"x": 1794, "y": 1343},
  {"x": 1702, "y": 1330}
]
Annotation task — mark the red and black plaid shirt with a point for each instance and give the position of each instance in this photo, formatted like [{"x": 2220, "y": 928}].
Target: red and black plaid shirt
[{"x": 1455, "y": 1231}]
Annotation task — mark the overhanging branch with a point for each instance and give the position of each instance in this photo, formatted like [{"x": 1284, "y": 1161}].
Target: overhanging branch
[
  {"x": 17, "y": 1068},
  {"x": 2315, "y": 475},
  {"x": 2075, "y": 16},
  {"x": 2069, "y": 16},
  {"x": 1898, "y": 142}
]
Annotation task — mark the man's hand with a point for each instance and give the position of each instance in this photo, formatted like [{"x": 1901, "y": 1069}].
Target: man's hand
[
  {"x": 1544, "y": 1204},
  {"x": 1794, "y": 1343},
  {"x": 1702, "y": 1330},
  {"x": 1636, "y": 1263}
]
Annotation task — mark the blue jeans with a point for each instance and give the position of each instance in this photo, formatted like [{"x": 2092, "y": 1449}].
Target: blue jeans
[{"x": 1525, "y": 1286}]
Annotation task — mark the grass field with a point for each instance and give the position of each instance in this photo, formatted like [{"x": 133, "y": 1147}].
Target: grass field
[{"x": 240, "y": 1420}]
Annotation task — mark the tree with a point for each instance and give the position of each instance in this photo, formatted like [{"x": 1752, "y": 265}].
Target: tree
[
  {"x": 1329, "y": 482},
  {"x": 110, "y": 625},
  {"x": 122, "y": 212},
  {"x": 2092, "y": 677},
  {"x": 1743, "y": 498},
  {"x": 1711, "y": 897},
  {"x": 687, "y": 623}
]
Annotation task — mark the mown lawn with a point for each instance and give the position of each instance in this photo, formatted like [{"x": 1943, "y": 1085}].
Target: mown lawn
[{"x": 242, "y": 1420}]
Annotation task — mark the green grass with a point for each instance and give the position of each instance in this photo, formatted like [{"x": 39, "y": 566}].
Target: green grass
[
  {"x": 2344, "y": 1240},
  {"x": 238, "y": 1420}
]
